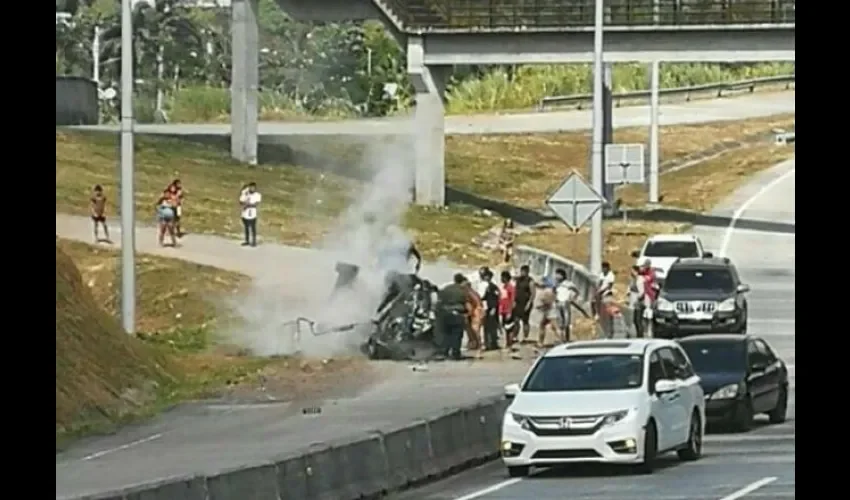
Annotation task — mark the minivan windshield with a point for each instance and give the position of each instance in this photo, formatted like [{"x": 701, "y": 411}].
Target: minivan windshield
[
  {"x": 699, "y": 279},
  {"x": 586, "y": 373},
  {"x": 682, "y": 249},
  {"x": 716, "y": 357}
]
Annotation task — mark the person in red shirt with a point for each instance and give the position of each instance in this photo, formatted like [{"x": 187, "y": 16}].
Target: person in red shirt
[
  {"x": 507, "y": 301},
  {"x": 650, "y": 283}
]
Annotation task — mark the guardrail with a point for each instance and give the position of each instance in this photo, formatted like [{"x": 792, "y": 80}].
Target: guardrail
[
  {"x": 718, "y": 89},
  {"x": 542, "y": 264},
  {"x": 782, "y": 137}
]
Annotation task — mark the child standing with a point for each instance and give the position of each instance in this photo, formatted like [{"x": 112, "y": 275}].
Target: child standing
[{"x": 98, "y": 213}]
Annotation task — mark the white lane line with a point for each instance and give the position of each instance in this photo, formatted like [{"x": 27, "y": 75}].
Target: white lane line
[
  {"x": 490, "y": 489},
  {"x": 746, "y": 490},
  {"x": 727, "y": 235},
  {"x": 122, "y": 447}
]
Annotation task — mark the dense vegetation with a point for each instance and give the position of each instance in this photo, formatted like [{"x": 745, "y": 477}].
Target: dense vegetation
[{"x": 182, "y": 55}]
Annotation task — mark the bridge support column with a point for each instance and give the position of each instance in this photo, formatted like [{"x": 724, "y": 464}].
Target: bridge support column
[
  {"x": 607, "y": 133},
  {"x": 654, "y": 130},
  {"x": 429, "y": 125},
  {"x": 245, "y": 81}
]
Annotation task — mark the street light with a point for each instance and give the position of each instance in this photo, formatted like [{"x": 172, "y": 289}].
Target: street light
[
  {"x": 596, "y": 144},
  {"x": 128, "y": 223}
]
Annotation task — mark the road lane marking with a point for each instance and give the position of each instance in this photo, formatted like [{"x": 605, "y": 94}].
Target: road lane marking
[
  {"x": 727, "y": 235},
  {"x": 122, "y": 447},
  {"x": 746, "y": 490},
  {"x": 490, "y": 489}
]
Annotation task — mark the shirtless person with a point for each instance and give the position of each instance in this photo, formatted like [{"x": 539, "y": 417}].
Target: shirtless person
[
  {"x": 548, "y": 312},
  {"x": 176, "y": 190},
  {"x": 98, "y": 213}
]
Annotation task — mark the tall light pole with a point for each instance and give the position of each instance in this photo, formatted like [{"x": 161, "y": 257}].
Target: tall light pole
[
  {"x": 596, "y": 169},
  {"x": 128, "y": 223}
]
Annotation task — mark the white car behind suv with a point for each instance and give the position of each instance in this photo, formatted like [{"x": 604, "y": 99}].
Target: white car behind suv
[
  {"x": 607, "y": 401},
  {"x": 662, "y": 250}
]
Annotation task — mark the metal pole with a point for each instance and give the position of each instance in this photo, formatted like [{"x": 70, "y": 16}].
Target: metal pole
[
  {"x": 128, "y": 223},
  {"x": 654, "y": 132},
  {"x": 95, "y": 56},
  {"x": 596, "y": 145}
]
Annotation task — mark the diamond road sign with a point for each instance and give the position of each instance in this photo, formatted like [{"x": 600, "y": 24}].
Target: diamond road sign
[
  {"x": 624, "y": 164},
  {"x": 575, "y": 201}
]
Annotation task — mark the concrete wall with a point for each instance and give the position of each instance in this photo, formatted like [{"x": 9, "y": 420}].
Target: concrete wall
[{"x": 76, "y": 101}]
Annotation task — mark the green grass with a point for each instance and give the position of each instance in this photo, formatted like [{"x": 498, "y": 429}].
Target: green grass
[{"x": 492, "y": 92}]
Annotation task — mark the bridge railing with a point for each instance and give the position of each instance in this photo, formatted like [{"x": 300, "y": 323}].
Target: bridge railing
[
  {"x": 525, "y": 14},
  {"x": 716, "y": 89}
]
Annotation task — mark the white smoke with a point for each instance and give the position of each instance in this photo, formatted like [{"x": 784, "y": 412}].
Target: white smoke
[{"x": 369, "y": 230}]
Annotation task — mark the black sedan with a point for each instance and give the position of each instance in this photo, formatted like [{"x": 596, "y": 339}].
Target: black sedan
[{"x": 741, "y": 377}]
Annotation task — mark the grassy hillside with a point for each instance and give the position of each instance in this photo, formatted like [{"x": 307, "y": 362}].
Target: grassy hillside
[{"x": 102, "y": 374}]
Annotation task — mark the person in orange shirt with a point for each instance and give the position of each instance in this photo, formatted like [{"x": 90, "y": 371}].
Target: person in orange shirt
[{"x": 474, "y": 315}]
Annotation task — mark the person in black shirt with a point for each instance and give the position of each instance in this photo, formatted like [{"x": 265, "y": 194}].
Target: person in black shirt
[
  {"x": 452, "y": 315},
  {"x": 490, "y": 299},
  {"x": 525, "y": 291}
]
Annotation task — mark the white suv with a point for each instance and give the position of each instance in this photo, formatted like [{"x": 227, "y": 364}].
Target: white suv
[
  {"x": 662, "y": 250},
  {"x": 607, "y": 401}
]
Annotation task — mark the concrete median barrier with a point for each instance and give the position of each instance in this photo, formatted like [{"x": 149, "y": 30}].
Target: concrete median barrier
[
  {"x": 368, "y": 467},
  {"x": 253, "y": 483},
  {"x": 292, "y": 478},
  {"x": 408, "y": 454},
  {"x": 448, "y": 440}
]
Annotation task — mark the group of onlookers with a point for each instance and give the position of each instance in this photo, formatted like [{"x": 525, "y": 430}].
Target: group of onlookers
[{"x": 169, "y": 213}]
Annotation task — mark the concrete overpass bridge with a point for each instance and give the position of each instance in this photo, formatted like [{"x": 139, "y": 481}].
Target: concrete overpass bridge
[{"x": 440, "y": 33}]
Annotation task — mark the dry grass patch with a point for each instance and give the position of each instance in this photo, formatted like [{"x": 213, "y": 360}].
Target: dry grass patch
[{"x": 524, "y": 169}]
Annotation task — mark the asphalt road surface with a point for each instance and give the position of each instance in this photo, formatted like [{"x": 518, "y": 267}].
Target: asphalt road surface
[
  {"x": 733, "y": 108},
  {"x": 759, "y": 464}
]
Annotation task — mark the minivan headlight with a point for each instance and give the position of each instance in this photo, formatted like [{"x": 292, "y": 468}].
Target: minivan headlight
[
  {"x": 613, "y": 418},
  {"x": 663, "y": 305},
  {"x": 727, "y": 305},
  {"x": 522, "y": 420}
]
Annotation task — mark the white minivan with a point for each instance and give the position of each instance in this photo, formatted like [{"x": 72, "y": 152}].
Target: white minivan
[{"x": 607, "y": 401}]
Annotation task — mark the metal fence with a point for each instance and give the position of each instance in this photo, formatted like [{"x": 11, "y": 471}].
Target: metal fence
[
  {"x": 495, "y": 14},
  {"x": 76, "y": 101},
  {"x": 714, "y": 89}
]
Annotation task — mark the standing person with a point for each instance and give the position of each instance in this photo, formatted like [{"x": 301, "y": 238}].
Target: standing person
[
  {"x": 474, "y": 315},
  {"x": 604, "y": 295},
  {"x": 565, "y": 294},
  {"x": 490, "y": 297},
  {"x": 165, "y": 206},
  {"x": 249, "y": 200},
  {"x": 637, "y": 300},
  {"x": 548, "y": 313},
  {"x": 507, "y": 298},
  {"x": 176, "y": 189},
  {"x": 98, "y": 213},
  {"x": 452, "y": 299},
  {"x": 524, "y": 301},
  {"x": 506, "y": 240}
]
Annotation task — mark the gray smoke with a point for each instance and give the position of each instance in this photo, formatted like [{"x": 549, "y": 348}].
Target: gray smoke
[{"x": 371, "y": 227}]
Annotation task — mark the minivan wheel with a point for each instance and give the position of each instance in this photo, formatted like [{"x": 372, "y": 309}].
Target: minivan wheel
[
  {"x": 650, "y": 450},
  {"x": 693, "y": 448}
]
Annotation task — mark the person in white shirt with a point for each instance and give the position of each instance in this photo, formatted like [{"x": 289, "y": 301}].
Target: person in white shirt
[
  {"x": 605, "y": 294},
  {"x": 565, "y": 295},
  {"x": 249, "y": 199}
]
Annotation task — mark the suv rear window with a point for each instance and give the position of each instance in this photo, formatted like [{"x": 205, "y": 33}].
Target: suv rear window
[
  {"x": 690, "y": 278},
  {"x": 681, "y": 249}
]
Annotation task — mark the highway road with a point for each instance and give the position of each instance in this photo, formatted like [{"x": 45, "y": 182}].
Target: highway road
[
  {"x": 701, "y": 111},
  {"x": 759, "y": 464}
]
